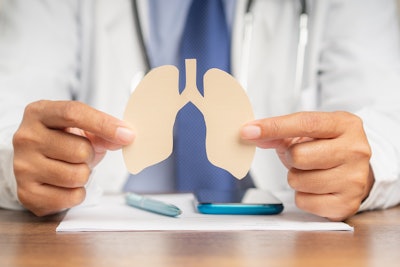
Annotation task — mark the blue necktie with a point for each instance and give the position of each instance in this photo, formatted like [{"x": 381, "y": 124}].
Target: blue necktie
[{"x": 206, "y": 39}]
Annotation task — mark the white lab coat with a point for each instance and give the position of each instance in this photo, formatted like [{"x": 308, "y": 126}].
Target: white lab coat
[{"x": 89, "y": 50}]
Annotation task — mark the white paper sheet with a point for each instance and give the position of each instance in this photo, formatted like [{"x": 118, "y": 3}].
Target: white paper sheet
[{"x": 112, "y": 214}]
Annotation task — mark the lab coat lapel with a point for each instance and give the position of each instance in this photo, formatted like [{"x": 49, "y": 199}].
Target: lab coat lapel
[
  {"x": 267, "y": 27},
  {"x": 124, "y": 52}
]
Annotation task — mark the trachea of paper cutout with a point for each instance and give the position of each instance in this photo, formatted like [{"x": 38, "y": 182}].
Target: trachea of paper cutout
[{"x": 154, "y": 104}]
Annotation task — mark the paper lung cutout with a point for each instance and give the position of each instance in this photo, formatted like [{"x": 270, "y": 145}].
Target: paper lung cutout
[{"x": 153, "y": 106}]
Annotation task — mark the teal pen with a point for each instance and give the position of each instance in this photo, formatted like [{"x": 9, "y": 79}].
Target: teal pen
[{"x": 152, "y": 205}]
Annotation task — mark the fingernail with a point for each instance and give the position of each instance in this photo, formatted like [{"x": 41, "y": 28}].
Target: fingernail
[
  {"x": 124, "y": 134},
  {"x": 251, "y": 132}
]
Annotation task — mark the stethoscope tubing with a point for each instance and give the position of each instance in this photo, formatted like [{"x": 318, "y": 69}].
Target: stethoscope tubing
[
  {"x": 247, "y": 39},
  {"x": 301, "y": 49}
]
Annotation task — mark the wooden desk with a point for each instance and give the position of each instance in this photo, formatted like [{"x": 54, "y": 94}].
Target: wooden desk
[{"x": 26, "y": 240}]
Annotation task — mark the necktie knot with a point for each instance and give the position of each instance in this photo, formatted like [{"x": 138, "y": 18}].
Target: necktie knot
[{"x": 205, "y": 38}]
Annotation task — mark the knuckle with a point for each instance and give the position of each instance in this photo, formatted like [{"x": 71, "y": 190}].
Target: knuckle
[
  {"x": 360, "y": 151},
  {"x": 51, "y": 202},
  {"x": 83, "y": 151},
  {"x": 25, "y": 134},
  {"x": 20, "y": 138},
  {"x": 351, "y": 118},
  {"x": 17, "y": 138},
  {"x": 310, "y": 123},
  {"x": 34, "y": 110},
  {"x": 364, "y": 150},
  {"x": 70, "y": 111},
  {"x": 358, "y": 180},
  {"x": 357, "y": 121},
  {"x": 297, "y": 154},
  {"x": 352, "y": 208},
  {"x": 79, "y": 176},
  {"x": 77, "y": 196},
  {"x": 293, "y": 180},
  {"x": 34, "y": 107},
  {"x": 360, "y": 148},
  {"x": 23, "y": 195},
  {"x": 274, "y": 128},
  {"x": 354, "y": 121},
  {"x": 342, "y": 113},
  {"x": 40, "y": 211},
  {"x": 74, "y": 197},
  {"x": 25, "y": 170},
  {"x": 105, "y": 125},
  {"x": 301, "y": 201},
  {"x": 344, "y": 210},
  {"x": 20, "y": 168},
  {"x": 341, "y": 206}
]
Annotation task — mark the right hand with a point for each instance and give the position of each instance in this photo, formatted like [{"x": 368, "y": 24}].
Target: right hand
[{"x": 55, "y": 148}]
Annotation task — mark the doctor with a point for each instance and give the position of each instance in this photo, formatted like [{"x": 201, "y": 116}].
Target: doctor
[{"x": 339, "y": 157}]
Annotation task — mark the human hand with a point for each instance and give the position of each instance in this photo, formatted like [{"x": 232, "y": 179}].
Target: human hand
[
  {"x": 55, "y": 148},
  {"x": 327, "y": 156}
]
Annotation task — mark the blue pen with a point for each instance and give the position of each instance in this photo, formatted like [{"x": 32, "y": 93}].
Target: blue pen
[{"x": 152, "y": 205}]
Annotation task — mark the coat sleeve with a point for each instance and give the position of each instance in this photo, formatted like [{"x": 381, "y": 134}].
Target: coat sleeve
[
  {"x": 359, "y": 72},
  {"x": 39, "y": 59}
]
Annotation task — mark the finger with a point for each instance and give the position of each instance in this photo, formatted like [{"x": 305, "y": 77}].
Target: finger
[
  {"x": 46, "y": 199},
  {"x": 67, "y": 147},
  {"x": 316, "y": 181},
  {"x": 42, "y": 170},
  {"x": 62, "y": 174},
  {"x": 335, "y": 207},
  {"x": 316, "y": 154},
  {"x": 63, "y": 114},
  {"x": 301, "y": 124},
  {"x": 342, "y": 179}
]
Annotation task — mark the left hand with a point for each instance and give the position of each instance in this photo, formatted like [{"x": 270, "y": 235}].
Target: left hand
[{"x": 327, "y": 156}]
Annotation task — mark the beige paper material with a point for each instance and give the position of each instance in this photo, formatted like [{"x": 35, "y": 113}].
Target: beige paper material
[{"x": 153, "y": 106}]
